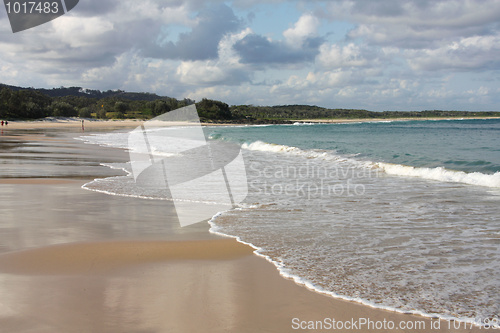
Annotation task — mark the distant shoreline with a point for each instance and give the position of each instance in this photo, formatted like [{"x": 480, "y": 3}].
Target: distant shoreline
[
  {"x": 90, "y": 124},
  {"x": 368, "y": 120}
]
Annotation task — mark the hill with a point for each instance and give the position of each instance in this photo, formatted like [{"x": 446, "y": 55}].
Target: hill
[
  {"x": 33, "y": 103},
  {"x": 81, "y": 92}
]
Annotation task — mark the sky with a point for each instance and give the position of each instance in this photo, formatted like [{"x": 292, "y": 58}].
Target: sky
[{"x": 365, "y": 54}]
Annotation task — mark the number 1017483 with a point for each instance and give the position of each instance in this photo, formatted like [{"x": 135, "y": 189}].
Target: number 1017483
[{"x": 32, "y": 7}]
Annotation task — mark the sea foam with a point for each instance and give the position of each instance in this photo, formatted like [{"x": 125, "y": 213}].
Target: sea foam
[
  {"x": 441, "y": 174},
  {"x": 438, "y": 174}
]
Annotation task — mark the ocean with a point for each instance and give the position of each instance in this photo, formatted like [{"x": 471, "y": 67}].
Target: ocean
[{"x": 396, "y": 215}]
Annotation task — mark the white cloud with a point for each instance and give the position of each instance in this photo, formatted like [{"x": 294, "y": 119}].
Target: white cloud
[
  {"x": 200, "y": 73},
  {"x": 480, "y": 95},
  {"x": 335, "y": 56},
  {"x": 305, "y": 27},
  {"x": 416, "y": 23},
  {"x": 227, "y": 54},
  {"x": 81, "y": 32},
  {"x": 226, "y": 70},
  {"x": 471, "y": 53},
  {"x": 124, "y": 69}
]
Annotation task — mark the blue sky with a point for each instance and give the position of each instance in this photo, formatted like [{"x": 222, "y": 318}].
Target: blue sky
[{"x": 376, "y": 55}]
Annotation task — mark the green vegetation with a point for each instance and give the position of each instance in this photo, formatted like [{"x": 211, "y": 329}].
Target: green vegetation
[
  {"x": 300, "y": 112},
  {"x": 19, "y": 103},
  {"x": 30, "y": 103}
]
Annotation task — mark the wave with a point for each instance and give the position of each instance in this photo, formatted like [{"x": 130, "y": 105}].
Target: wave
[
  {"x": 287, "y": 273},
  {"x": 439, "y": 173},
  {"x": 301, "y": 123},
  {"x": 276, "y": 148},
  {"x": 442, "y": 174},
  {"x": 116, "y": 139}
]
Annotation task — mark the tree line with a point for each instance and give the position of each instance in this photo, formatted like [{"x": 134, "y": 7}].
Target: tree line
[
  {"x": 290, "y": 112},
  {"x": 33, "y": 104},
  {"x": 30, "y": 103}
]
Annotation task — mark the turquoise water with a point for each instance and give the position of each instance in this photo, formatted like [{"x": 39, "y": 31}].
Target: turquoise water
[
  {"x": 465, "y": 145},
  {"x": 398, "y": 215}
]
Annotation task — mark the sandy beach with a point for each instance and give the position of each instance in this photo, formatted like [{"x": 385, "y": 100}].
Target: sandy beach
[
  {"x": 72, "y": 260},
  {"x": 71, "y": 123},
  {"x": 90, "y": 125}
]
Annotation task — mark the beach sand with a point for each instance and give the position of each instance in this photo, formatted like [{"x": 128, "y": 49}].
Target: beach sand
[
  {"x": 91, "y": 125},
  {"x": 70, "y": 123},
  {"x": 73, "y": 260}
]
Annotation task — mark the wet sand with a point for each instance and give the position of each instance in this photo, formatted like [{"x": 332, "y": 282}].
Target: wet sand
[{"x": 73, "y": 260}]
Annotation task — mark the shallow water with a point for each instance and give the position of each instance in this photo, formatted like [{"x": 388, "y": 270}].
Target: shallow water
[{"x": 396, "y": 215}]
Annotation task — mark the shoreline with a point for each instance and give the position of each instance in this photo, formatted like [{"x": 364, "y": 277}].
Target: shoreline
[
  {"x": 311, "y": 287},
  {"x": 73, "y": 123},
  {"x": 254, "y": 293},
  {"x": 369, "y": 120},
  {"x": 96, "y": 124}
]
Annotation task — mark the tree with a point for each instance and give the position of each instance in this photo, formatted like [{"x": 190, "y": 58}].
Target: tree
[
  {"x": 34, "y": 104},
  {"x": 101, "y": 114},
  {"x": 160, "y": 107},
  {"x": 63, "y": 109},
  {"x": 211, "y": 109},
  {"x": 121, "y": 107},
  {"x": 5, "y": 94},
  {"x": 85, "y": 112}
]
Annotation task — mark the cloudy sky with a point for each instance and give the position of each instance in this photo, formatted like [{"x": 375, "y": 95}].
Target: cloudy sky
[{"x": 372, "y": 54}]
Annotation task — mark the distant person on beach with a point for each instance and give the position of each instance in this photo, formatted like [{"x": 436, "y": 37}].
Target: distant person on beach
[
  {"x": 2, "y": 122},
  {"x": 6, "y": 123},
  {"x": 83, "y": 127}
]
